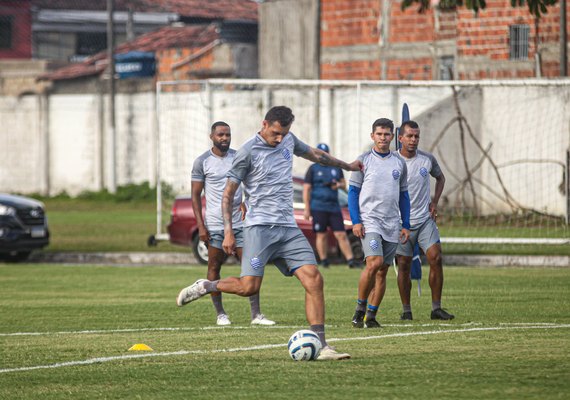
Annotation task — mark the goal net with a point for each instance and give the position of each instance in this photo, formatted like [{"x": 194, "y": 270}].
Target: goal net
[{"x": 502, "y": 145}]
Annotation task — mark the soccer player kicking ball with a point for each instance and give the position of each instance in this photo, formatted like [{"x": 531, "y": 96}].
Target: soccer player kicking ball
[
  {"x": 209, "y": 175},
  {"x": 377, "y": 197},
  {"x": 423, "y": 216},
  {"x": 264, "y": 166}
]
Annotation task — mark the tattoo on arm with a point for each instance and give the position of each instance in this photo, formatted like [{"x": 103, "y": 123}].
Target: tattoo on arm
[
  {"x": 322, "y": 157},
  {"x": 227, "y": 202}
]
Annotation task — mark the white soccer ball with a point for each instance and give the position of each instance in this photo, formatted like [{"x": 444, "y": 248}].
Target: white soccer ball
[{"x": 304, "y": 345}]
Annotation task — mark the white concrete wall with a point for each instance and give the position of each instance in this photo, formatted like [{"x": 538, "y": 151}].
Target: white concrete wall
[{"x": 524, "y": 128}]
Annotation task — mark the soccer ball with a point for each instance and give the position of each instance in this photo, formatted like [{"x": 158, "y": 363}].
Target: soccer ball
[{"x": 304, "y": 345}]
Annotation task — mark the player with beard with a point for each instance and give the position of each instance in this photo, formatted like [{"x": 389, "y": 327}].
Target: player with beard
[
  {"x": 264, "y": 165},
  {"x": 209, "y": 175}
]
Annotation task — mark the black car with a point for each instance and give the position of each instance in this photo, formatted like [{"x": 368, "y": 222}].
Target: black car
[{"x": 23, "y": 227}]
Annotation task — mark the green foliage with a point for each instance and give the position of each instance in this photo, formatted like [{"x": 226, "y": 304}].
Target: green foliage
[
  {"x": 535, "y": 7},
  {"x": 509, "y": 339}
]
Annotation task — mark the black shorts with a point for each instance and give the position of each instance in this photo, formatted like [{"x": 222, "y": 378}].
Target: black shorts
[{"x": 324, "y": 219}]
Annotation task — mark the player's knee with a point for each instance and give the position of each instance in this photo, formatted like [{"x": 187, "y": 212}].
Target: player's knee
[
  {"x": 374, "y": 263},
  {"x": 312, "y": 280}
]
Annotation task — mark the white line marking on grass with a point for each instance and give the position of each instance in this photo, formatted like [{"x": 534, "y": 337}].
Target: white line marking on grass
[
  {"x": 104, "y": 331},
  {"x": 270, "y": 346},
  {"x": 238, "y": 327}
]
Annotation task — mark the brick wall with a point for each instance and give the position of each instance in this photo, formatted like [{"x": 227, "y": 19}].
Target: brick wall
[{"x": 352, "y": 46}]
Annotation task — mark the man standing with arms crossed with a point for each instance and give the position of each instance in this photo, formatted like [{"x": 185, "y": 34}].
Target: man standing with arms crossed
[
  {"x": 377, "y": 198},
  {"x": 264, "y": 165},
  {"x": 209, "y": 175}
]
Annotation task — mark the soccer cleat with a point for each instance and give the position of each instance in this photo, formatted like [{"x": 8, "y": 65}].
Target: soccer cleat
[
  {"x": 440, "y": 313},
  {"x": 354, "y": 264},
  {"x": 371, "y": 323},
  {"x": 261, "y": 320},
  {"x": 329, "y": 353},
  {"x": 407, "y": 316},
  {"x": 324, "y": 263},
  {"x": 223, "y": 320},
  {"x": 358, "y": 319},
  {"x": 191, "y": 293}
]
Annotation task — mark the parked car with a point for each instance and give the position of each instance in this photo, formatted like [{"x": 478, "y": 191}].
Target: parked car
[
  {"x": 183, "y": 229},
  {"x": 23, "y": 227}
]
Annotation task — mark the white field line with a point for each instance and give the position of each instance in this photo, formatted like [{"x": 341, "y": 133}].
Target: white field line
[
  {"x": 207, "y": 328},
  {"x": 100, "y": 360}
]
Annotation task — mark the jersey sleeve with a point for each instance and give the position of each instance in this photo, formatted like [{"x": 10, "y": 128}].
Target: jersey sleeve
[
  {"x": 198, "y": 170},
  {"x": 300, "y": 147},
  {"x": 240, "y": 165},
  {"x": 340, "y": 173},
  {"x": 357, "y": 177},
  {"x": 435, "y": 169},
  {"x": 309, "y": 175}
]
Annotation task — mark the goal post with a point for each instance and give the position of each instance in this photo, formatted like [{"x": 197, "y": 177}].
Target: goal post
[{"x": 506, "y": 186}]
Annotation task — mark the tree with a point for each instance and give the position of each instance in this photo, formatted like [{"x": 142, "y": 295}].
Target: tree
[{"x": 535, "y": 7}]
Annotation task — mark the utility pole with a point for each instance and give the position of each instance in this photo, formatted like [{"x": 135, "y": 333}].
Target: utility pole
[
  {"x": 563, "y": 40},
  {"x": 112, "y": 187}
]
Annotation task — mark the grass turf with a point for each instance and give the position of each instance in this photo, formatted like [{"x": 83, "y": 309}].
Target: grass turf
[{"x": 510, "y": 338}]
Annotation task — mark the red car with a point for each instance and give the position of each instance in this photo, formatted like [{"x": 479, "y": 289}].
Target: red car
[{"x": 183, "y": 229}]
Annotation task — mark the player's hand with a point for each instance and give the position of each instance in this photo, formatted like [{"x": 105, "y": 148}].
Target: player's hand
[
  {"x": 229, "y": 243},
  {"x": 307, "y": 214},
  {"x": 356, "y": 165},
  {"x": 204, "y": 234},
  {"x": 404, "y": 235},
  {"x": 358, "y": 230},
  {"x": 433, "y": 211}
]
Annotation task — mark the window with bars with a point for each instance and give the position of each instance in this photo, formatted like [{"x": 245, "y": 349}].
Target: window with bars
[
  {"x": 6, "y": 24},
  {"x": 518, "y": 41}
]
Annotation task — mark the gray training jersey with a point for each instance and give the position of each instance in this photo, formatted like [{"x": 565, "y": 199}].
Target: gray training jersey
[
  {"x": 266, "y": 174},
  {"x": 420, "y": 168},
  {"x": 212, "y": 170},
  {"x": 380, "y": 185}
]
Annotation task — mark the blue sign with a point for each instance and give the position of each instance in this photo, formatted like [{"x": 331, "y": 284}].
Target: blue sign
[{"x": 135, "y": 64}]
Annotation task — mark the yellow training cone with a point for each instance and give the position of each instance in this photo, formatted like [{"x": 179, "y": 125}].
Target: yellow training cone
[{"x": 140, "y": 347}]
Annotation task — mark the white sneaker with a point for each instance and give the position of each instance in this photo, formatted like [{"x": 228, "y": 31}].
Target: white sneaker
[
  {"x": 261, "y": 320},
  {"x": 223, "y": 320},
  {"x": 329, "y": 353},
  {"x": 191, "y": 293}
]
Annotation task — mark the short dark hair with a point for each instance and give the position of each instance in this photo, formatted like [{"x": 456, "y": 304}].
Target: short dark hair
[
  {"x": 280, "y": 114},
  {"x": 411, "y": 124},
  {"x": 218, "y": 123},
  {"x": 383, "y": 123}
]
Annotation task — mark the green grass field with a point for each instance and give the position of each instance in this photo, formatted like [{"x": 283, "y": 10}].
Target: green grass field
[
  {"x": 65, "y": 332},
  {"x": 79, "y": 225}
]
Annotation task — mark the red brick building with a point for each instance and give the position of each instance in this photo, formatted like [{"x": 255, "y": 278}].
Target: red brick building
[
  {"x": 15, "y": 29},
  {"x": 375, "y": 39}
]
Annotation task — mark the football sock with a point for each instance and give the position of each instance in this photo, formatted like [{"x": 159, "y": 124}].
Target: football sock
[
  {"x": 361, "y": 304},
  {"x": 371, "y": 312},
  {"x": 435, "y": 305},
  {"x": 407, "y": 307},
  {"x": 217, "y": 300},
  {"x": 211, "y": 286},
  {"x": 320, "y": 331},
  {"x": 325, "y": 262},
  {"x": 254, "y": 303}
]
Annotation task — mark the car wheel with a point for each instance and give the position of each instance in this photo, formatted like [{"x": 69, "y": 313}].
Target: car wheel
[
  {"x": 200, "y": 250},
  {"x": 356, "y": 246},
  {"x": 16, "y": 256}
]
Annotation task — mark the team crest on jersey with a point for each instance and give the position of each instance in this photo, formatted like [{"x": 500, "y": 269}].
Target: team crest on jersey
[
  {"x": 423, "y": 171},
  {"x": 286, "y": 154},
  {"x": 396, "y": 174},
  {"x": 373, "y": 244},
  {"x": 255, "y": 263},
  {"x": 333, "y": 172}
]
